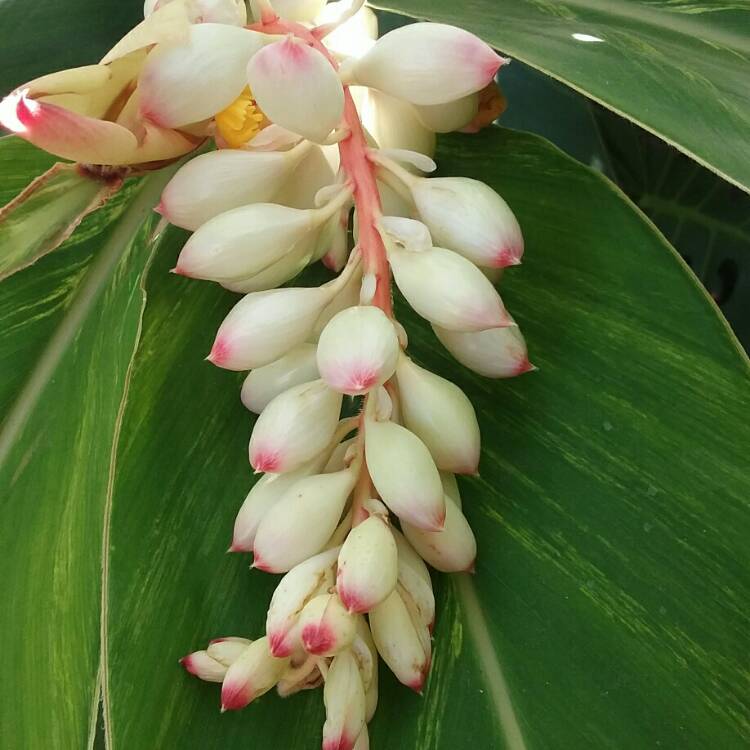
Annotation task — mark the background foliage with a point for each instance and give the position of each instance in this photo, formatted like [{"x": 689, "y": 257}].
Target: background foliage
[{"x": 611, "y": 511}]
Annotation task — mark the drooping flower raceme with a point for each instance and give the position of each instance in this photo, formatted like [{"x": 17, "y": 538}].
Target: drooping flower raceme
[{"x": 320, "y": 128}]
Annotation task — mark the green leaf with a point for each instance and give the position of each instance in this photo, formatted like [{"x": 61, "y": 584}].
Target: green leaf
[
  {"x": 68, "y": 333},
  {"x": 677, "y": 69},
  {"x": 608, "y": 606},
  {"x": 39, "y": 37},
  {"x": 48, "y": 210}
]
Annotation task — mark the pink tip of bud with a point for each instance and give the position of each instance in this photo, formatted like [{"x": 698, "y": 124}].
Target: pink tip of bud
[
  {"x": 352, "y": 600},
  {"x": 189, "y": 664},
  {"x": 358, "y": 380},
  {"x": 216, "y": 640},
  {"x": 17, "y": 112},
  {"x": 507, "y": 256},
  {"x": 524, "y": 366},
  {"x": 278, "y": 646},
  {"x": 220, "y": 351},
  {"x": 180, "y": 272},
  {"x": 265, "y": 461},
  {"x": 258, "y": 564},
  {"x": 471, "y": 568},
  {"x": 318, "y": 639},
  {"x": 159, "y": 209},
  {"x": 339, "y": 743},
  {"x": 235, "y": 695},
  {"x": 431, "y": 626},
  {"x": 236, "y": 546}
]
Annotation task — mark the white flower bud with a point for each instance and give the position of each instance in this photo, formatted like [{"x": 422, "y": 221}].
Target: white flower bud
[
  {"x": 447, "y": 289},
  {"x": 265, "y": 383},
  {"x": 213, "y": 183},
  {"x": 366, "y": 654},
  {"x": 203, "y": 666},
  {"x": 298, "y": 10},
  {"x": 469, "y": 217},
  {"x": 363, "y": 741},
  {"x": 451, "y": 550},
  {"x": 450, "y": 486},
  {"x": 206, "y": 11},
  {"x": 302, "y": 521},
  {"x": 295, "y": 589},
  {"x": 445, "y": 118},
  {"x": 264, "y": 326},
  {"x": 358, "y": 350},
  {"x": 495, "y": 353},
  {"x": 344, "y": 698},
  {"x": 184, "y": 83},
  {"x": 440, "y": 415},
  {"x": 244, "y": 241},
  {"x": 425, "y": 63},
  {"x": 326, "y": 628},
  {"x": 314, "y": 172},
  {"x": 403, "y": 642},
  {"x": 414, "y": 578},
  {"x": 394, "y": 124},
  {"x": 347, "y": 296},
  {"x": 227, "y": 650},
  {"x": 295, "y": 426},
  {"x": 297, "y": 88},
  {"x": 367, "y": 565},
  {"x": 353, "y": 37},
  {"x": 404, "y": 474},
  {"x": 254, "y": 673},
  {"x": 342, "y": 455}
]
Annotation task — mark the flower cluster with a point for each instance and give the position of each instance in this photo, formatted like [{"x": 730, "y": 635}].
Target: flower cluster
[{"x": 320, "y": 128}]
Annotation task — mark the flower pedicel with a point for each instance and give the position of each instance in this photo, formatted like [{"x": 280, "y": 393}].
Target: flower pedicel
[{"x": 313, "y": 117}]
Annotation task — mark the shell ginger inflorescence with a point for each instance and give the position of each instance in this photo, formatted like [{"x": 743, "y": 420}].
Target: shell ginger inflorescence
[{"x": 320, "y": 127}]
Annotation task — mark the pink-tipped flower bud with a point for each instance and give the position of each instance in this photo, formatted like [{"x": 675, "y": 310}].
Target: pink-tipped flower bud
[
  {"x": 295, "y": 589},
  {"x": 440, "y": 415},
  {"x": 255, "y": 672},
  {"x": 242, "y": 242},
  {"x": 302, "y": 521},
  {"x": 425, "y": 63},
  {"x": 296, "y": 426},
  {"x": 203, "y": 666},
  {"x": 357, "y": 350},
  {"x": 184, "y": 83},
  {"x": 297, "y": 88},
  {"x": 227, "y": 650},
  {"x": 263, "y": 384},
  {"x": 402, "y": 639},
  {"x": 213, "y": 183},
  {"x": 470, "y": 218},
  {"x": 344, "y": 698},
  {"x": 326, "y": 628},
  {"x": 451, "y": 550},
  {"x": 447, "y": 289},
  {"x": 495, "y": 353},
  {"x": 404, "y": 474},
  {"x": 414, "y": 578},
  {"x": 368, "y": 564},
  {"x": 264, "y": 326}
]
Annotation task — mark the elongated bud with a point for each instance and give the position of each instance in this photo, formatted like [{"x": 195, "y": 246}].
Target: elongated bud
[
  {"x": 265, "y": 383},
  {"x": 265, "y": 493},
  {"x": 203, "y": 666},
  {"x": 445, "y": 118},
  {"x": 450, "y": 486},
  {"x": 347, "y": 297},
  {"x": 440, "y": 415},
  {"x": 451, "y": 550},
  {"x": 368, "y": 564},
  {"x": 222, "y": 180},
  {"x": 469, "y": 217},
  {"x": 366, "y": 654},
  {"x": 404, "y": 474},
  {"x": 326, "y": 628},
  {"x": 297, "y": 88},
  {"x": 402, "y": 641},
  {"x": 184, "y": 83},
  {"x": 254, "y": 673},
  {"x": 302, "y": 521},
  {"x": 295, "y": 589},
  {"x": 344, "y": 699},
  {"x": 414, "y": 578},
  {"x": 447, "y": 289},
  {"x": 227, "y": 650},
  {"x": 358, "y": 350},
  {"x": 264, "y": 326},
  {"x": 244, "y": 241},
  {"x": 496, "y": 353},
  {"x": 297, "y": 425},
  {"x": 425, "y": 63}
]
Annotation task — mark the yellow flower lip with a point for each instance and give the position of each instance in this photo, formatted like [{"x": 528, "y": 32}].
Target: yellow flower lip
[{"x": 241, "y": 121}]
